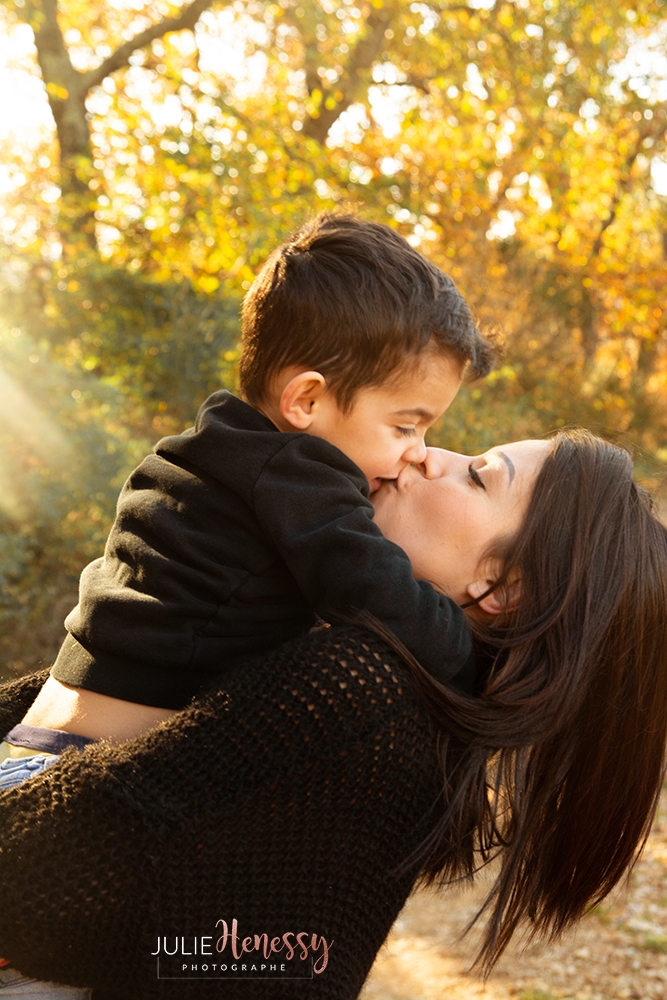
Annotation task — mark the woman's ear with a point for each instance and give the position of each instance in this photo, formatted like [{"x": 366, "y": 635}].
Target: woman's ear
[
  {"x": 299, "y": 399},
  {"x": 501, "y": 600}
]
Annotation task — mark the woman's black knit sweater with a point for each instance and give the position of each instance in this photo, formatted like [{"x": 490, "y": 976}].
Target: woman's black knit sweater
[{"x": 291, "y": 802}]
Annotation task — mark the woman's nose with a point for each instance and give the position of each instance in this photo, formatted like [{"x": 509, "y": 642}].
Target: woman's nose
[{"x": 438, "y": 462}]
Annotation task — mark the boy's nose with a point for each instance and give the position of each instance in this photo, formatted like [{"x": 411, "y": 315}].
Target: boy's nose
[
  {"x": 438, "y": 462},
  {"x": 416, "y": 453}
]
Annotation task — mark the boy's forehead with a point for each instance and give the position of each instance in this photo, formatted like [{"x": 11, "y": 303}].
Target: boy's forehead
[{"x": 422, "y": 391}]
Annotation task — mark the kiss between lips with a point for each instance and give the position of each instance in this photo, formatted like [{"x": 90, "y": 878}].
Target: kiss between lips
[{"x": 376, "y": 484}]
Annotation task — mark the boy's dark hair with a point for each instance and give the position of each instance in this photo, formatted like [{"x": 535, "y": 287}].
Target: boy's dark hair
[{"x": 352, "y": 299}]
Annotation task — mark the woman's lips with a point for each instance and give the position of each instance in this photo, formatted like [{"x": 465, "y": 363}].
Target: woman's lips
[
  {"x": 396, "y": 482},
  {"x": 408, "y": 475},
  {"x": 383, "y": 484}
]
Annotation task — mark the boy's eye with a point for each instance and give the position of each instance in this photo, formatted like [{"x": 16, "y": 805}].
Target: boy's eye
[
  {"x": 406, "y": 431},
  {"x": 474, "y": 475}
]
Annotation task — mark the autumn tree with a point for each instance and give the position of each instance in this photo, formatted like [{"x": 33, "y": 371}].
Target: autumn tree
[{"x": 512, "y": 140}]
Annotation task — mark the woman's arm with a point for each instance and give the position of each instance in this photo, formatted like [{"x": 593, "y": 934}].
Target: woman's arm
[{"x": 286, "y": 803}]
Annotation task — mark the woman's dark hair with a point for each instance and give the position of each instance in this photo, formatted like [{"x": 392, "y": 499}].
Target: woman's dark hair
[
  {"x": 557, "y": 764},
  {"x": 353, "y": 300}
]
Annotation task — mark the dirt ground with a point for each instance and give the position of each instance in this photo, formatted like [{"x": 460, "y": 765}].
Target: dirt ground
[{"x": 617, "y": 953}]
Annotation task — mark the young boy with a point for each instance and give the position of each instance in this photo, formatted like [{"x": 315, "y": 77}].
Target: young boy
[{"x": 235, "y": 535}]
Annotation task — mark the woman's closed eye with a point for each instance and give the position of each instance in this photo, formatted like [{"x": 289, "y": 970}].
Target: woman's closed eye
[
  {"x": 474, "y": 476},
  {"x": 406, "y": 431}
]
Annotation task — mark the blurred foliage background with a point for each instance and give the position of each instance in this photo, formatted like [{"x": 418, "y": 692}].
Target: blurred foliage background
[{"x": 156, "y": 152}]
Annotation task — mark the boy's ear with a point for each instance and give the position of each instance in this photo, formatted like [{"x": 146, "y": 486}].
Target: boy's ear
[
  {"x": 500, "y": 601},
  {"x": 300, "y": 397}
]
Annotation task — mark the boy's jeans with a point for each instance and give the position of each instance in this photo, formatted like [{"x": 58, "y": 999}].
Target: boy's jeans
[{"x": 12, "y": 982}]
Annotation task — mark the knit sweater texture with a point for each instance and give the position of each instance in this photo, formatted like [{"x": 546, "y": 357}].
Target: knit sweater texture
[{"x": 290, "y": 800}]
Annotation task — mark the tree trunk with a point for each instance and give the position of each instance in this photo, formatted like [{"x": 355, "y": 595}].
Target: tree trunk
[{"x": 67, "y": 90}]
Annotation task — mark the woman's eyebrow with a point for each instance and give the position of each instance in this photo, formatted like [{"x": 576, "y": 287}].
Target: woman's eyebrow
[{"x": 509, "y": 463}]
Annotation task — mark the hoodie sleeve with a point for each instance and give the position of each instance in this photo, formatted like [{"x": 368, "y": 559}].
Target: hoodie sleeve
[{"x": 313, "y": 503}]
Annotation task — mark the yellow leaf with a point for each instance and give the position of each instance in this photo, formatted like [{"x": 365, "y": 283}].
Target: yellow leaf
[
  {"x": 208, "y": 283},
  {"x": 56, "y": 91}
]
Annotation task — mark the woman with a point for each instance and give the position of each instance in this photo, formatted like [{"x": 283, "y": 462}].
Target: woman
[{"x": 311, "y": 794}]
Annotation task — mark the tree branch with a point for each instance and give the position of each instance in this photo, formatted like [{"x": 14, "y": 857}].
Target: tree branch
[
  {"x": 621, "y": 189},
  {"x": 460, "y": 8},
  {"x": 361, "y": 60},
  {"x": 121, "y": 56},
  {"x": 417, "y": 82}
]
